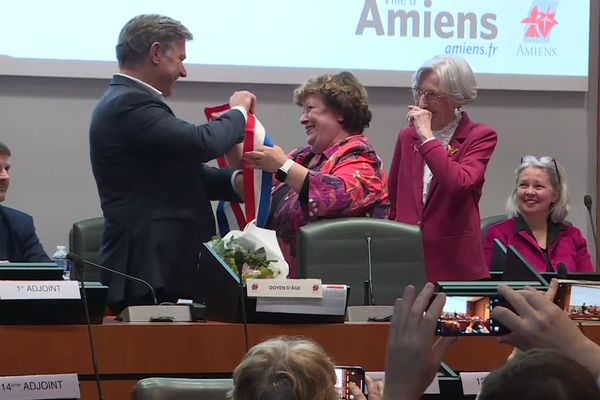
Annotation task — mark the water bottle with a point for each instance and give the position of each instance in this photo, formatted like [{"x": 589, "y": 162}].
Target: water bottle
[{"x": 60, "y": 258}]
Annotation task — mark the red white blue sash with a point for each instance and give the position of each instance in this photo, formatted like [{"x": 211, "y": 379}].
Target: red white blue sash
[{"x": 257, "y": 183}]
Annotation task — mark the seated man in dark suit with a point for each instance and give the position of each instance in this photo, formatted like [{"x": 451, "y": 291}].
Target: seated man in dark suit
[
  {"x": 154, "y": 187},
  {"x": 18, "y": 241}
]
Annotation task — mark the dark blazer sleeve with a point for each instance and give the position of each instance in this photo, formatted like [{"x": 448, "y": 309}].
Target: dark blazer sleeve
[
  {"x": 152, "y": 127},
  {"x": 218, "y": 184},
  {"x": 29, "y": 247}
]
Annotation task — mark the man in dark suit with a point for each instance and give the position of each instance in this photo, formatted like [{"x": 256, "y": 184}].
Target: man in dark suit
[
  {"x": 154, "y": 188},
  {"x": 18, "y": 241}
]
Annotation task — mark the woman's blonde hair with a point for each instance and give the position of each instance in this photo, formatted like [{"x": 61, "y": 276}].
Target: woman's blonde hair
[{"x": 285, "y": 368}]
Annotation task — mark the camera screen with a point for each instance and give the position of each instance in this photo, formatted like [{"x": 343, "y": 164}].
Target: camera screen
[
  {"x": 469, "y": 315},
  {"x": 582, "y": 302},
  {"x": 344, "y": 376}
]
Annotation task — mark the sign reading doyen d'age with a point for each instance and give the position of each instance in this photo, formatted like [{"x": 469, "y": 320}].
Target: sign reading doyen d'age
[
  {"x": 303, "y": 288},
  {"x": 39, "y": 290}
]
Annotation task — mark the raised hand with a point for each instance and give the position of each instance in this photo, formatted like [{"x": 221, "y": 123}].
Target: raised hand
[
  {"x": 243, "y": 98},
  {"x": 537, "y": 322},
  {"x": 412, "y": 361},
  {"x": 420, "y": 118}
]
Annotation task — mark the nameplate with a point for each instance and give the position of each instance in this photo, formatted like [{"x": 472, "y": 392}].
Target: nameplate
[
  {"x": 38, "y": 387},
  {"x": 298, "y": 288},
  {"x": 39, "y": 290},
  {"x": 472, "y": 381},
  {"x": 333, "y": 302},
  {"x": 433, "y": 388}
]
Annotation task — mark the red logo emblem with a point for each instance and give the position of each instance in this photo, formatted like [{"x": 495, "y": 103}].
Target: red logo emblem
[
  {"x": 541, "y": 21},
  {"x": 255, "y": 286}
]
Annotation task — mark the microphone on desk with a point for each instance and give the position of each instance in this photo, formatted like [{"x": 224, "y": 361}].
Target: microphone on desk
[
  {"x": 78, "y": 266},
  {"x": 561, "y": 271},
  {"x": 587, "y": 200},
  {"x": 147, "y": 313},
  {"x": 369, "y": 297},
  {"x": 78, "y": 262},
  {"x": 238, "y": 259}
]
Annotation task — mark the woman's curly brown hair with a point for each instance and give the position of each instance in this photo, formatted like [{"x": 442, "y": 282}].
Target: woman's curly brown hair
[{"x": 341, "y": 93}]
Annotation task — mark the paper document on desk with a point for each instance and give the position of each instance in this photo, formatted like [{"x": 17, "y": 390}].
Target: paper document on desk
[{"x": 333, "y": 302}]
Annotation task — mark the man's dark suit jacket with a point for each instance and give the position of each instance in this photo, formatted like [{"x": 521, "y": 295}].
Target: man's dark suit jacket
[
  {"x": 155, "y": 190},
  {"x": 22, "y": 244}
]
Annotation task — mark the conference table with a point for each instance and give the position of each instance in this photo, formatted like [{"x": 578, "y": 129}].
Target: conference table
[{"x": 127, "y": 352}]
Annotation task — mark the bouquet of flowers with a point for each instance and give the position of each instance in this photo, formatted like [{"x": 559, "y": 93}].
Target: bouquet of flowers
[{"x": 254, "y": 251}]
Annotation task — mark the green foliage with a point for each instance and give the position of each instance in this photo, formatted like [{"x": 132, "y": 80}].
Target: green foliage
[{"x": 255, "y": 261}]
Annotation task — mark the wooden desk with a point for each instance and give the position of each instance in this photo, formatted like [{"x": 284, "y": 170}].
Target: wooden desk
[{"x": 129, "y": 352}]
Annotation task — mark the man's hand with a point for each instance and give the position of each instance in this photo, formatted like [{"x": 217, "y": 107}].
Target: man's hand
[{"x": 243, "y": 98}]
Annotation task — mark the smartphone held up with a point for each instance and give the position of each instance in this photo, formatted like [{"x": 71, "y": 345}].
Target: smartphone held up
[
  {"x": 347, "y": 374},
  {"x": 470, "y": 316}
]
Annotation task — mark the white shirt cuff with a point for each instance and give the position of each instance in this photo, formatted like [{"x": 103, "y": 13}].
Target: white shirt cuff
[
  {"x": 233, "y": 175},
  {"x": 242, "y": 110},
  {"x": 428, "y": 140}
]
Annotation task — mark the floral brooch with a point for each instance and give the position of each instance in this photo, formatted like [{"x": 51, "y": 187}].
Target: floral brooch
[{"x": 451, "y": 150}]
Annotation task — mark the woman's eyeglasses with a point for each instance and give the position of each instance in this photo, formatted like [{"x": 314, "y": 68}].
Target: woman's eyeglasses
[
  {"x": 543, "y": 160},
  {"x": 430, "y": 95}
]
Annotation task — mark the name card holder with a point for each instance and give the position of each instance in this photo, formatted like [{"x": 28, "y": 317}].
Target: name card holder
[
  {"x": 39, "y": 387},
  {"x": 472, "y": 382},
  {"x": 50, "y": 302},
  {"x": 39, "y": 290},
  {"x": 218, "y": 287}
]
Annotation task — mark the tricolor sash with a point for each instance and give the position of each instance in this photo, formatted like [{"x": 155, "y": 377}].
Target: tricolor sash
[{"x": 257, "y": 183}]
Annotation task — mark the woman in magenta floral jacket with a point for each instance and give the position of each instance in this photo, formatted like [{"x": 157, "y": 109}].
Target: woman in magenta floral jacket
[{"x": 338, "y": 174}]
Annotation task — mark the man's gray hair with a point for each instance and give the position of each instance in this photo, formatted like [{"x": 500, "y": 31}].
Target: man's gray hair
[
  {"x": 4, "y": 149},
  {"x": 140, "y": 32},
  {"x": 456, "y": 78},
  {"x": 560, "y": 208}
]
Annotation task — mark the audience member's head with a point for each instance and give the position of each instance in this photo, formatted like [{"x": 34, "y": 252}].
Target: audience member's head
[
  {"x": 284, "y": 369},
  {"x": 4, "y": 170},
  {"x": 540, "y": 374},
  {"x": 544, "y": 181}
]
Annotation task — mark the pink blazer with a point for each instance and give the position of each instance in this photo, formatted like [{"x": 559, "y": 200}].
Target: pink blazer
[
  {"x": 450, "y": 219},
  {"x": 567, "y": 245}
]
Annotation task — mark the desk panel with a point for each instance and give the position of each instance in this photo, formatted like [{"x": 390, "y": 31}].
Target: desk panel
[{"x": 129, "y": 352}]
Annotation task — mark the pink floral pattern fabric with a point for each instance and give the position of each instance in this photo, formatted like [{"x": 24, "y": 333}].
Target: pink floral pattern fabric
[{"x": 346, "y": 180}]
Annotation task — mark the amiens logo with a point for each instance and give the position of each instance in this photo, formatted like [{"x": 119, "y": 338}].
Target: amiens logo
[
  {"x": 538, "y": 25},
  {"x": 540, "y": 22}
]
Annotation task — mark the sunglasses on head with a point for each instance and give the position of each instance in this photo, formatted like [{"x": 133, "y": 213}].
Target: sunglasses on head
[{"x": 543, "y": 160}]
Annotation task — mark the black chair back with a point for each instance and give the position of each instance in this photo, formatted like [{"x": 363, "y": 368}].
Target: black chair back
[{"x": 337, "y": 251}]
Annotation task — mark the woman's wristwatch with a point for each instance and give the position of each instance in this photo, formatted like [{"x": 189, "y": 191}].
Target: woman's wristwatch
[{"x": 282, "y": 172}]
